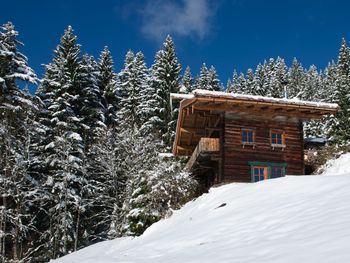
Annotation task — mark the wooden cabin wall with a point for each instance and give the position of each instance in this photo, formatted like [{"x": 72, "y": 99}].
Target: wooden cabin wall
[{"x": 236, "y": 157}]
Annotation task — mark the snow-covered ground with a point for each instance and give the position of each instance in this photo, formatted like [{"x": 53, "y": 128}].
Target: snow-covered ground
[
  {"x": 291, "y": 219},
  {"x": 338, "y": 166}
]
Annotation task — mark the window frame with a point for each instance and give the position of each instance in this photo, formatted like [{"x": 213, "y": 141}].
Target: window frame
[
  {"x": 269, "y": 166},
  {"x": 283, "y": 138},
  {"x": 253, "y": 136},
  {"x": 266, "y": 172}
]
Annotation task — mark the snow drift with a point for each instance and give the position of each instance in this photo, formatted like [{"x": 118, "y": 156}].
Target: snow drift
[{"x": 290, "y": 219}]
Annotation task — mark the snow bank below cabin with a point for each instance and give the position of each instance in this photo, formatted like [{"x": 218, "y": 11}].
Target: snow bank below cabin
[
  {"x": 290, "y": 219},
  {"x": 338, "y": 166}
]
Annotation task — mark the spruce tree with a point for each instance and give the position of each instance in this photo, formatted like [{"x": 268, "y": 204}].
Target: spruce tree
[
  {"x": 260, "y": 80},
  {"x": 241, "y": 83},
  {"x": 232, "y": 85},
  {"x": 187, "y": 81},
  {"x": 154, "y": 186},
  {"x": 165, "y": 80},
  {"x": 339, "y": 130},
  {"x": 130, "y": 89},
  {"x": 91, "y": 109},
  {"x": 250, "y": 83},
  {"x": 296, "y": 80},
  {"x": 108, "y": 84},
  {"x": 19, "y": 187},
  {"x": 64, "y": 150},
  {"x": 213, "y": 80},
  {"x": 107, "y": 183},
  {"x": 202, "y": 81}
]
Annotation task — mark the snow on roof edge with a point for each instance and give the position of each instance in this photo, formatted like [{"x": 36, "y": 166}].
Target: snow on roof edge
[
  {"x": 205, "y": 93},
  {"x": 181, "y": 96},
  {"x": 208, "y": 93}
]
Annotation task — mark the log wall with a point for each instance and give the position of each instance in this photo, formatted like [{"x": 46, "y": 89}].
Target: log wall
[{"x": 236, "y": 157}]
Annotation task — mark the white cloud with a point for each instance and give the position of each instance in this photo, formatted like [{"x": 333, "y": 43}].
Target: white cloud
[{"x": 184, "y": 18}]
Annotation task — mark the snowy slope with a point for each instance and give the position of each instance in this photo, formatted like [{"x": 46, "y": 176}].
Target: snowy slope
[
  {"x": 291, "y": 219},
  {"x": 338, "y": 166}
]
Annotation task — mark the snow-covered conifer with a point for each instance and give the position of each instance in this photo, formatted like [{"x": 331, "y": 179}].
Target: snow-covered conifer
[
  {"x": 108, "y": 85},
  {"x": 202, "y": 81},
  {"x": 187, "y": 81},
  {"x": 91, "y": 109},
  {"x": 296, "y": 79},
  {"x": 165, "y": 80},
  {"x": 250, "y": 87},
  {"x": 232, "y": 86},
  {"x": 213, "y": 80}
]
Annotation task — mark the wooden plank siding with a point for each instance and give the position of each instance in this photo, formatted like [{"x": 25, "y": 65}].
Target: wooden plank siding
[
  {"x": 207, "y": 146},
  {"x": 237, "y": 156}
]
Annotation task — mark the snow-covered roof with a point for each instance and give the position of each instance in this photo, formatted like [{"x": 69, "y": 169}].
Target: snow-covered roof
[
  {"x": 315, "y": 140},
  {"x": 212, "y": 103},
  {"x": 235, "y": 96}
]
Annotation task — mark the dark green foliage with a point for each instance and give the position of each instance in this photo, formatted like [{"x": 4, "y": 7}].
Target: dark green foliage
[
  {"x": 165, "y": 80},
  {"x": 108, "y": 86}
]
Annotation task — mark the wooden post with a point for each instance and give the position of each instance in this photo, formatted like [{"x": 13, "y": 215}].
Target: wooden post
[
  {"x": 302, "y": 146},
  {"x": 221, "y": 156}
]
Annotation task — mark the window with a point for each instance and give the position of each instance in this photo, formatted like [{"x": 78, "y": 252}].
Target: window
[
  {"x": 277, "y": 172},
  {"x": 259, "y": 173},
  {"x": 277, "y": 137},
  {"x": 266, "y": 170},
  {"x": 248, "y": 136}
]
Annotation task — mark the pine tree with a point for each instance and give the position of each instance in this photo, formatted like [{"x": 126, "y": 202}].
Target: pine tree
[
  {"x": 130, "y": 90},
  {"x": 241, "y": 84},
  {"x": 312, "y": 85},
  {"x": 277, "y": 76},
  {"x": 187, "y": 81},
  {"x": 108, "y": 85},
  {"x": 147, "y": 100},
  {"x": 154, "y": 186},
  {"x": 17, "y": 110},
  {"x": 13, "y": 64},
  {"x": 213, "y": 80},
  {"x": 250, "y": 87},
  {"x": 296, "y": 80},
  {"x": 232, "y": 86},
  {"x": 91, "y": 109},
  {"x": 260, "y": 80},
  {"x": 64, "y": 154},
  {"x": 202, "y": 81},
  {"x": 339, "y": 125},
  {"x": 107, "y": 184},
  {"x": 165, "y": 80}
]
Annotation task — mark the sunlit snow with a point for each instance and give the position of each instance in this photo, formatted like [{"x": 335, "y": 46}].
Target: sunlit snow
[{"x": 290, "y": 219}]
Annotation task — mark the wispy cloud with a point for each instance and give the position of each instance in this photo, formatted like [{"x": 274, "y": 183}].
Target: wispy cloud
[{"x": 184, "y": 18}]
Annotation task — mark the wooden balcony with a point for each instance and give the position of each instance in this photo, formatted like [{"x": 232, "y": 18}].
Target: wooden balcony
[{"x": 207, "y": 148}]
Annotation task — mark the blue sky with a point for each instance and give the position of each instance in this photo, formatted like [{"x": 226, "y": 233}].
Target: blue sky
[{"x": 225, "y": 33}]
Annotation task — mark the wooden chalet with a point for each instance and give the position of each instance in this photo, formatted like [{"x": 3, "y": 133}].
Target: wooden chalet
[{"x": 241, "y": 138}]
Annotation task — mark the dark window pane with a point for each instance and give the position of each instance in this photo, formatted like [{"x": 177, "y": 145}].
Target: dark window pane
[
  {"x": 276, "y": 172},
  {"x": 256, "y": 171},
  {"x": 244, "y": 136},
  {"x": 247, "y": 136},
  {"x": 256, "y": 178}
]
